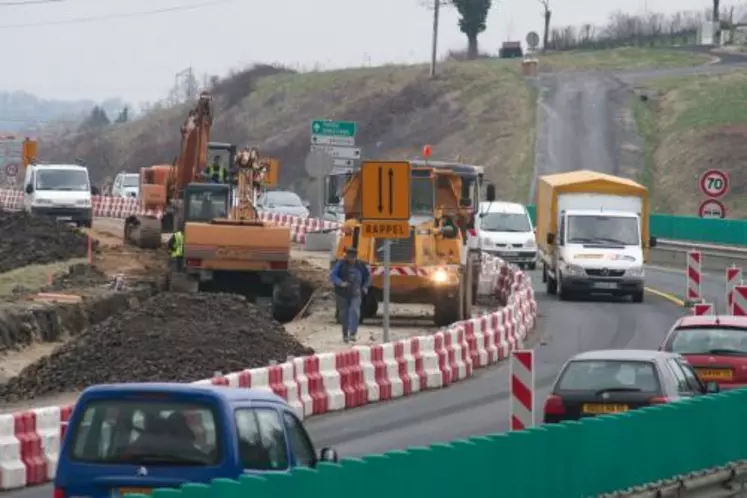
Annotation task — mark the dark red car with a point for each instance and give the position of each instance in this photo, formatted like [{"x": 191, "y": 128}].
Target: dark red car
[{"x": 715, "y": 345}]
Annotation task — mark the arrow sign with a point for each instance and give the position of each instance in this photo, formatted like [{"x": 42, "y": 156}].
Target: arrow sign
[
  {"x": 391, "y": 192},
  {"x": 381, "y": 190},
  {"x": 385, "y": 192}
]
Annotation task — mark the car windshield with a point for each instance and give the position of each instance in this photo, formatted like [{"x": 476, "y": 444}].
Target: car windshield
[
  {"x": 284, "y": 199},
  {"x": 131, "y": 181},
  {"x": 710, "y": 340},
  {"x": 608, "y": 375},
  {"x": 146, "y": 432},
  {"x": 207, "y": 205},
  {"x": 505, "y": 222},
  {"x": 598, "y": 229},
  {"x": 62, "y": 179}
]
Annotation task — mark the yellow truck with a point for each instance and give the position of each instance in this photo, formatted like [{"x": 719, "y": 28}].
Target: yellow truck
[{"x": 593, "y": 234}]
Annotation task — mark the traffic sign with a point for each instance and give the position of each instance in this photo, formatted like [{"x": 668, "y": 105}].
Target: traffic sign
[
  {"x": 714, "y": 183},
  {"x": 318, "y": 164},
  {"x": 327, "y": 128},
  {"x": 340, "y": 141},
  {"x": 385, "y": 190},
  {"x": 712, "y": 208},
  {"x": 338, "y": 152},
  {"x": 533, "y": 39},
  {"x": 11, "y": 169},
  {"x": 347, "y": 163},
  {"x": 395, "y": 229}
]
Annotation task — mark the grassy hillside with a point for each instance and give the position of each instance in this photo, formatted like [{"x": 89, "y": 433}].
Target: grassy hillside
[{"x": 690, "y": 125}]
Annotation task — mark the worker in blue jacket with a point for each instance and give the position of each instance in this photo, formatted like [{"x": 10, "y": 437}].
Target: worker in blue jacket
[{"x": 351, "y": 279}]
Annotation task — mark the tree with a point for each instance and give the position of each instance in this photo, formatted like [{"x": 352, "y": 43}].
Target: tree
[
  {"x": 124, "y": 115},
  {"x": 716, "y": 22},
  {"x": 97, "y": 119},
  {"x": 547, "y": 14},
  {"x": 473, "y": 14}
]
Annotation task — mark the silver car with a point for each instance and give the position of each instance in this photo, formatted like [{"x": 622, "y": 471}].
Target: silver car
[{"x": 283, "y": 202}]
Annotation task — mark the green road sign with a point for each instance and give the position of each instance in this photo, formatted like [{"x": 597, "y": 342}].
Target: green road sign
[{"x": 327, "y": 128}]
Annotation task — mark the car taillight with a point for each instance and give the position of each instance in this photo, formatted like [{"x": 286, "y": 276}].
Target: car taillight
[
  {"x": 58, "y": 493},
  {"x": 194, "y": 262},
  {"x": 658, "y": 400},
  {"x": 554, "y": 405}
]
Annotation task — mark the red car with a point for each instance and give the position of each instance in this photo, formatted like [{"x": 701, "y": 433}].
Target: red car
[{"x": 716, "y": 345}]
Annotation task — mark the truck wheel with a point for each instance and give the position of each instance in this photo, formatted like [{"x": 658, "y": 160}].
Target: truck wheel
[
  {"x": 369, "y": 306},
  {"x": 551, "y": 285},
  {"x": 563, "y": 293},
  {"x": 446, "y": 311},
  {"x": 637, "y": 296},
  {"x": 544, "y": 273}
]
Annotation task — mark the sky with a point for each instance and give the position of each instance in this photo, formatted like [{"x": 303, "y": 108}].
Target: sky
[{"x": 121, "y": 52}]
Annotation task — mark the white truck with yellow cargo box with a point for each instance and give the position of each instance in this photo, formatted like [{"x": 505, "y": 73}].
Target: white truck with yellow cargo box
[{"x": 593, "y": 234}]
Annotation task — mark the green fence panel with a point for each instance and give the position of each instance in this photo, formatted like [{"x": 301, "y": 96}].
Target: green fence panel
[
  {"x": 690, "y": 228},
  {"x": 569, "y": 460}
]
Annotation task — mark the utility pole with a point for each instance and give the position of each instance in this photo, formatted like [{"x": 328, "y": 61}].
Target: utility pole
[{"x": 434, "y": 43}]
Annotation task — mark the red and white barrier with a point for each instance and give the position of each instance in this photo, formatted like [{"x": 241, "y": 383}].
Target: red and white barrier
[
  {"x": 733, "y": 278},
  {"x": 522, "y": 390},
  {"x": 739, "y": 303},
  {"x": 693, "y": 275},
  {"x": 700, "y": 309}
]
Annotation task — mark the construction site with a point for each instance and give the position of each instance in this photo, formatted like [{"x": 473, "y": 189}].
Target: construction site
[{"x": 107, "y": 304}]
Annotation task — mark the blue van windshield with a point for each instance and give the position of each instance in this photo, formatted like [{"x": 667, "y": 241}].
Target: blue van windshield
[{"x": 146, "y": 432}]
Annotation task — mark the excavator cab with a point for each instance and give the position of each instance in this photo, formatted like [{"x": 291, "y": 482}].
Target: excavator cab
[{"x": 204, "y": 202}]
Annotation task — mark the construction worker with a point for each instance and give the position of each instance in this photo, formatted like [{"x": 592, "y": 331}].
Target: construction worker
[
  {"x": 351, "y": 279},
  {"x": 216, "y": 172},
  {"x": 176, "y": 250}
]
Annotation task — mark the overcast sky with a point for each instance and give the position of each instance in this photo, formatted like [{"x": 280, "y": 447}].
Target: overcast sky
[{"x": 136, "y": 57}]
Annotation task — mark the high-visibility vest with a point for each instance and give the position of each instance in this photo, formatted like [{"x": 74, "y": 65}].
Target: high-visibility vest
[
  {"x": 217, "y": 173},
  {"x": 178, "y": 250}
]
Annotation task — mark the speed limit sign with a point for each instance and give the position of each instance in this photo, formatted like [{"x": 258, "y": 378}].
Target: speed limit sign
[
  {"x": 714, "y": 183},
  {"x": 711, "y": 208}
]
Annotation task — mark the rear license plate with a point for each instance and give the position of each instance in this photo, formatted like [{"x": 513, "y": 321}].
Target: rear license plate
[
  {"x": 134, "y": 491},
  {"x": 709, "y": 374},
  {"x": 591, "y": 409},
  {"x": 605, "y": 285}
]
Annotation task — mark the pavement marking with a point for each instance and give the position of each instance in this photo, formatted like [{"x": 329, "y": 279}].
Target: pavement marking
[{"x": 669, "y": 297}]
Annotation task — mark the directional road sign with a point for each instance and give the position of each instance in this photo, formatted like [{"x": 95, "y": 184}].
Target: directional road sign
[
  {"x": 714, "y": 183},
  {"x": 325, "y": 140},
  {"x": 386, "y": 229},
  {"x": 385, "y": 187},
  {"x": 712, "y": 208},
  {"x": 338, "y": 152},
  {"x": 347, "y": 163},
  {"x": 326, "y": 128}
]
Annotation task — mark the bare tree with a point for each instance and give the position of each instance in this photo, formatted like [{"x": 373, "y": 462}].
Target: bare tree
[{"x": 546, "y": 14}]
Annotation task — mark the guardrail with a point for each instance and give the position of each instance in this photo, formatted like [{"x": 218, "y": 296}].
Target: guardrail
[
  {"x": 721, "y": 482},
  {"x": 715, "y": 257}
]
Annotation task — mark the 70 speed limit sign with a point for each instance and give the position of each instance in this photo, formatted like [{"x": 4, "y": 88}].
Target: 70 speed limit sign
[{"x": 714, "y": 183}]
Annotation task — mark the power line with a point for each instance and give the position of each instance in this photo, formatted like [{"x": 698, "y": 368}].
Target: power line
[{"x": 80, "y": 20}]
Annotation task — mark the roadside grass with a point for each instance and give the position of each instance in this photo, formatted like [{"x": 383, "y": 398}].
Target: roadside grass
[
  {"x": 645, "y": 119},
  {"x": 627, "y": 58},
  {"x": 691, "y": 124},
  {"x": 32, "y": 278}
]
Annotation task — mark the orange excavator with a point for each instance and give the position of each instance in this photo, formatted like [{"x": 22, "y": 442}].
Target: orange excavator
[{"x": 227, "y": 248}]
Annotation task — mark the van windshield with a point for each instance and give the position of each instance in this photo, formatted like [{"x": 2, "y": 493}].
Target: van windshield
[
  {"x": 146, "y": 432},
  {"x": 600, "y": 229},
  {"x": 62, "y": 179},
  {"x": 505, "y": 222},
  {"x": 131, "y": 181}
]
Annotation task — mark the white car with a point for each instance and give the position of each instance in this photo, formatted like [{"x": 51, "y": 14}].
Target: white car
[
  {"x": 283, "y": 202},
  {"x": 505, "y": 230},
  {"x": 126, "y": 185}
]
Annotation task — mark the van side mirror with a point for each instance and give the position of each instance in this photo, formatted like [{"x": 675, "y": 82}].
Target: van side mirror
[
  {"x": 712, "y": 388},
  {"x": 29, "y": 189},
  {"x": 652, "y": 242},
  {"x": 550, "y": 238},
  {"x": 306, "y": 204},
  {"x": 490, "y": 192},
  {"x": 329, "y": 455}
]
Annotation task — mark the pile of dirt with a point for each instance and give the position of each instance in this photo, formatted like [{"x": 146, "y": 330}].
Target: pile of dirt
[
  {"x": 78, "y": 276},
  {"x": 31, "y": 240},
  {"x": 171, "y": 337}
]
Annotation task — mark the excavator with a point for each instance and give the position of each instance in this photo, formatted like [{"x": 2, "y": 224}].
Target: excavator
[
  {"x": 430, "y": 266},
  {"x": 227, "y": 248}
]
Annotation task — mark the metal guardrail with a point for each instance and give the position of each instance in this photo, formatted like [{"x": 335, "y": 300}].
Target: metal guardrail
[
  {"x": 727, "y": 481},
  {"x": 715, "y": 258}
]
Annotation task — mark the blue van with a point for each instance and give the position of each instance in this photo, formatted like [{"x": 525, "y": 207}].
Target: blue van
[{"x": 132, "y": 438}]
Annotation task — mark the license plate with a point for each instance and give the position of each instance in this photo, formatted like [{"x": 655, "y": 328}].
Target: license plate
[
  {"x": 134, "y": 491},
  {"x": 709, "y": 374},
  {"x": 593, "y": 409},
  {"x": 605, "y": 285}
]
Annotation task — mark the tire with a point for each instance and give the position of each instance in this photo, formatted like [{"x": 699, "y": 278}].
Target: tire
[
  {"x": 446, "y": 311},
  {"x": 532, "y": 266},
  {"x": 551, "y": 285},
  {"x": 544, "y": 273},
  {"x": 563, "y": 293},
  {"x": 637, "y": 297}
]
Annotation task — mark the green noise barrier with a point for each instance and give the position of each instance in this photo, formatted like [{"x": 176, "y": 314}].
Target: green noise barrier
[
  {"x": 569, "y": 460},
  {"x": 691, "y": 228}
]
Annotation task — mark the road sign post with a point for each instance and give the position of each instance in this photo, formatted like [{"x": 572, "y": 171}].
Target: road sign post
[{"x": 385, "y": 213}]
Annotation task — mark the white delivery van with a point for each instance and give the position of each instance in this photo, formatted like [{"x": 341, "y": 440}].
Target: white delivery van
[
  {"x": 505, "y": 230},
  {"x": 62, "y": 191}
]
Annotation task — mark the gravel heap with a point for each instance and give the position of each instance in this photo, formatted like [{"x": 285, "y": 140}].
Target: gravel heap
[{"x": 171, "y": 337}]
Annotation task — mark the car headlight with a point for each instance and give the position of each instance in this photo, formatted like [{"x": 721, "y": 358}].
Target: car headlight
[
  {"x": 440, "y": 277},
  {"x": 531, "y": 243},
  {"x": 635, "y": 271},
  {"x": 83, "y": 202},
  {"x": 574, "y": 270},
  {"x": 486, "y": 242}
]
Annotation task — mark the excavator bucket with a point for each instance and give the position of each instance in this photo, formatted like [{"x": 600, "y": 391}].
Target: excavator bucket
[{"x": 143, "y": 232}]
